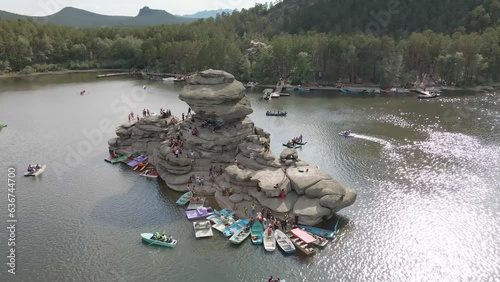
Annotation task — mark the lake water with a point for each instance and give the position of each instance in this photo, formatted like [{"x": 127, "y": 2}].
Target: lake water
[{"x": 427, "y": 175}]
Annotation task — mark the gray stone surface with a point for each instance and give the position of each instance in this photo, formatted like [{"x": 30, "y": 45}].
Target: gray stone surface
[{"x": 310, "y": 193}]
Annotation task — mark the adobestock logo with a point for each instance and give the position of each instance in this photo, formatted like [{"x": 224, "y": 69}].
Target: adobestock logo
[
  {"x": 48, "y": 7},
  {"x": 94, "y": 138}
]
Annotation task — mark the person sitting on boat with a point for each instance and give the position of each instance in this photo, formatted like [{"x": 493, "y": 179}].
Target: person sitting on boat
[
  {"x": 170, "y": 239},
  {"x": 30, "y": 168},
  {"x": 348, "y": 132},
  {"x": 289, "y": 143},
  {"x": 157, "y": 235},
  {"x": 269, "y": 230}
]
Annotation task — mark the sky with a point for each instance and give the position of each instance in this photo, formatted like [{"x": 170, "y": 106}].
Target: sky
[{"x": 121, "y": 7}]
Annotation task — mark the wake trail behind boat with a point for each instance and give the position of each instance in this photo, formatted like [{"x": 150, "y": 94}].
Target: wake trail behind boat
[{"x": 374, "y": 139}]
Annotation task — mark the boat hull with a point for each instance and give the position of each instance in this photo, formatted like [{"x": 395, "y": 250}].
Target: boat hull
[
  {"x": 184, "y": 198},
  {"x": 301, "y": 245},
  {"x": 343, "y": 134},
  {"x": 256, "y": 232},
  {"x": 239, "y": 236},
  {"x": 238, "y": 225},
  {"x": 319, "y": 231},
  {"x": 198, "y": 204},
  {"x": 199, "y": 213},
  {"x": 284, "y": 242},
  {"x": 147, "y": 238},
  {"x": 269, "y": 241},
  {"x": 36, "y": 173},
  {"x": 203, "y": 229}
]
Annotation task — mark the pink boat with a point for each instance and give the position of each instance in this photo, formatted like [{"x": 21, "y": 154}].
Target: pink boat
[
  {"x": 303, "y": 235},
  {"x": 200, "y": 212}
]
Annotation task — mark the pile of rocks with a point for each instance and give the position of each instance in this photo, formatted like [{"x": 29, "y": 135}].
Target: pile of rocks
[{"x": 227, "y": 140}]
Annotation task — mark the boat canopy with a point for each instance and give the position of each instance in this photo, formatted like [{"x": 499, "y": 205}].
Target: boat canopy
[{"x": 303, "y": 235}]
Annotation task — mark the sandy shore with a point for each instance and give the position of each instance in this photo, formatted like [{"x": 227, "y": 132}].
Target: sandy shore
[{"x": 14, "y": 75}]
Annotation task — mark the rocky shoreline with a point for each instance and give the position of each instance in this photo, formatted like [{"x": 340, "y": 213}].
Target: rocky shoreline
[{"x": 228, "y": 151}]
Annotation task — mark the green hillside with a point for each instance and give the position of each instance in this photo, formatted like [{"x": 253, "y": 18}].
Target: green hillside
[
  {"x": 80, "y": 18},
  {"x": 382, "y": 16},
  {"x": 461, "y": 45}
]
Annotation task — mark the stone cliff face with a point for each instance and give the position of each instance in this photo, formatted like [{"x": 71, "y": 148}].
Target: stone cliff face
[{"x": 227, "y": 141}]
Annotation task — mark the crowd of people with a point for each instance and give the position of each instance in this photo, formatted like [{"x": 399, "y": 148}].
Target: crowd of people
[{"x": 161, "y": 237}]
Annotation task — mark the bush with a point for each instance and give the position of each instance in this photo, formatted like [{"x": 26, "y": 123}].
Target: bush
[{"x": 28, "y": 70}]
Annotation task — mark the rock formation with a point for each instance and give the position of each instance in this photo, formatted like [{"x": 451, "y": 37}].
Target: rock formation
[{"x": 227, "y": 141}]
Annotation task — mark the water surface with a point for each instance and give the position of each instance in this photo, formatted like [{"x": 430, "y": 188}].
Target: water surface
[{"x": 427, "y": 175}]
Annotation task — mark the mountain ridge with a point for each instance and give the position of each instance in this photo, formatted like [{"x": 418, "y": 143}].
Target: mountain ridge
[
  {"x": 75, "y": 17},
  {"x": 207, "y": 13}
]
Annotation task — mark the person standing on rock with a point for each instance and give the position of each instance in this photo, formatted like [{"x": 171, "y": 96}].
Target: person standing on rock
[
  {"x": 137, "y": 118},
  {"x": 282, "y": 195},
  {"x": 182, "y": 116},
  {"x": 128, "y": 117},
  {"x": 283, "y": 225},
  {"x": 253, "y": 209},
  {"x": 189, "y": 110},
  {"x": 147, "y": 112},
  {"x": 245, "y": 210},
  {"x": 221, "y": 170},
  {"x": 202, "y": 181}
]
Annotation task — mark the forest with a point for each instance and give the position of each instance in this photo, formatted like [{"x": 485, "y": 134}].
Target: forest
[{"x": 467, "y": 53}]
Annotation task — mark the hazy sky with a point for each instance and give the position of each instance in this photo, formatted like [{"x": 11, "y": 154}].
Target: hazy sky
[{"x": 121, "y": 7}]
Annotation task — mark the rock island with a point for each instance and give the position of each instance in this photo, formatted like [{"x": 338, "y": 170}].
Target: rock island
[{"x": 221, "y": 150}]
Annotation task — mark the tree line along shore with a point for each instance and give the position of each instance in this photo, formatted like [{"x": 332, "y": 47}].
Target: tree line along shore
[{"x": 242, "y": 44}]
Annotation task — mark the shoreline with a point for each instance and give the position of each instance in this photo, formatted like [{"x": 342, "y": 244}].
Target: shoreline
[
  {"x": 19, "y": 75},
  {"x": 493, "y": 87}
]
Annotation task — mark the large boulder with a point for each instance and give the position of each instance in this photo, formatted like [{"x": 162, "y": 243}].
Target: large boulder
[
  {"x": 325, "y": 187},
  {"x": 310, "y": 211},
  {"x": 272, "y": 181},
  {"x": 305, "y": 177},
  {"x": 215, "y": 94},
  {"x": 278, "y": 205}
]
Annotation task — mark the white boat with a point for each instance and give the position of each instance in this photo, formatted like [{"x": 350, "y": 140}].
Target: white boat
[
  {"x": 203, "y": 229},
  {"x": 168, "y": 79},
  {"x": 251, "y": 84},
  {"x": 283, "y": 94},
  {"x": 269, "y": 241},
  {"x": 284, "y": 242},
  {"x": 180, "y": 79},
  {"x": 196, "y": 202},
  {"x": 37, "y": 172},
  {"x": 218, "y": 224},
  {"x": 240, "y": 236},
  {"x": 275, "y": 95}
]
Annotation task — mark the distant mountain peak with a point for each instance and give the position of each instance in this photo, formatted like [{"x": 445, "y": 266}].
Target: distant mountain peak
[{"x": 146, "y": 12}]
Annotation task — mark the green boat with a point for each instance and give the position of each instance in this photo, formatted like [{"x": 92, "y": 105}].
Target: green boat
[
  {"x": 147, "y": 237},
  {"x": 184, "y": 198},
  {"x": 117, "y": 159},
  {"x": 256, "y": 232},
  {"x": 2, "y": 125}
]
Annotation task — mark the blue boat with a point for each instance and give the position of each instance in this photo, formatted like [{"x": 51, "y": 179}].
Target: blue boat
[
  {"x": 319, "y": 231},
  {"x": 184, "y": 198},
  {"x": 238, "y": 225},
  {"x": 225, "y": 212}
]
